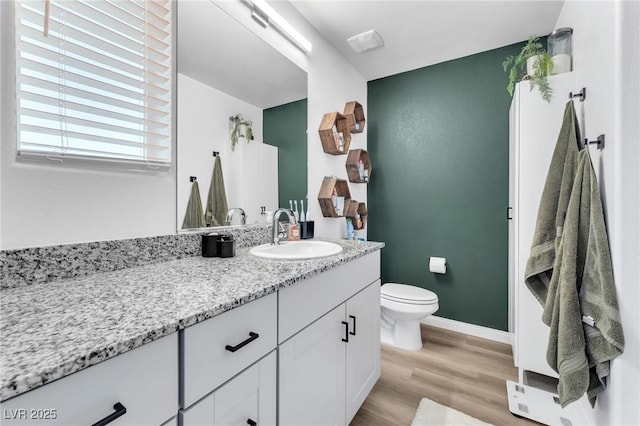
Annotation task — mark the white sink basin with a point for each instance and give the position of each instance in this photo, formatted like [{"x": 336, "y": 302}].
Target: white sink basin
[{"x": 292, "y": 250}]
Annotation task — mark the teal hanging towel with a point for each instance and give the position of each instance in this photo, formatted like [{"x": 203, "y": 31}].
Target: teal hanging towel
[{"x": 217, "y": 208}]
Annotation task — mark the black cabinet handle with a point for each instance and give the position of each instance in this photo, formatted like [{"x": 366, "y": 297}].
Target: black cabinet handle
[
  {"x": 121, "y": 410},
  {"x": 509, "y": 217},
  {"x": 252, "y": 336},
  {"x": 251, "y": 422},
  {"x": 346, "y": 332},
  {"x": 353, "y": 333}
]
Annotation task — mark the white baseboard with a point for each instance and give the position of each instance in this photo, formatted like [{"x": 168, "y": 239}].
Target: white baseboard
[{"x": 470, "y": 329}]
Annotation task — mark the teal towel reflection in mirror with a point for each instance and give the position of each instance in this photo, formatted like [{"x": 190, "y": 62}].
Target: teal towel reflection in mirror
[
  {"x": 216, "y": 211},
  {"x": 194, "y": 218}
]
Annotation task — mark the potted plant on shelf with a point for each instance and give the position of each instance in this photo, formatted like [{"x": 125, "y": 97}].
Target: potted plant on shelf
[
  {"x": 538, "y": 66},
  {"x": 237, "y": 124}
]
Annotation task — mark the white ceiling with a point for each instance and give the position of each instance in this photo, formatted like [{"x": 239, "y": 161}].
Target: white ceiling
[
  {"x": 216, "y": 50},
  {"x": 418, "y": 33}
]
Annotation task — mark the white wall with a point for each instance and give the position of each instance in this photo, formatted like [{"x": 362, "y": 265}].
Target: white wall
[
  {"x": 606, "y": 47},
  {"x": 251, "y": 180},
  {"x": 52, "y": 203},
  {"x": 259, "y": 181},
  {"x": 332, "y": 82}
]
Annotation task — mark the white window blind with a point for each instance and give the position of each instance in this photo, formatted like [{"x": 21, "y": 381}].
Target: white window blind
[{"x": 94, "y": 79}]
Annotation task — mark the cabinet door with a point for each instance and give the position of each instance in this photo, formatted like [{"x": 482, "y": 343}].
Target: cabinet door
[
  {"x": 173, "y": 421},
  {"x": 512, "y": 220},
  {"x": 199, "y": 414},
  {"x": 248, "y": 397},
  {"x": 312, "y": 368},
  {"x": 363, "y": 349},
  {"x": 536, "y": 143}
]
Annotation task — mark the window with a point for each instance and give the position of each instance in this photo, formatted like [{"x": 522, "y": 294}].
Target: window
[{"x": 94, "y": 79}]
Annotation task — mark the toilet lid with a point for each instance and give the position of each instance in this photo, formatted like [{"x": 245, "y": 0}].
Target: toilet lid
[{"x": 407, "y": 293}]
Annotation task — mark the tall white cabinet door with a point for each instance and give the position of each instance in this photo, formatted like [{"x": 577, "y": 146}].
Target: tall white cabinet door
[
  {"x": 363, "y": 349},
  {"x": 512, "y": 219},
  {"x": 312, "y": 368},
  {"x": 538, "y": 126}
]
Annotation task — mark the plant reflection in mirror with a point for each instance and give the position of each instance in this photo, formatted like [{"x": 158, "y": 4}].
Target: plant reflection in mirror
[{"x": 237, "y": 125}]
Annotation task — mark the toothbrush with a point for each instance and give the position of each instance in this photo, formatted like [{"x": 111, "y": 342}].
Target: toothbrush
[
  {"x": 290, "y": 205},
  {"x": 308, "y": 217},
  {"x": 295, "y": 208},
  {"x": 302, "y": 217}
]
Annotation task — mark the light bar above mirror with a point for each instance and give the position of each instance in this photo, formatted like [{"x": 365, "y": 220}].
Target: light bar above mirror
[{"x": 266, "y": 16}]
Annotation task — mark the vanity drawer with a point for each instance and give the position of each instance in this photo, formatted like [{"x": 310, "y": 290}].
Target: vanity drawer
[
  {"x": 143, "y": 380},
  {"x": 219, "y": 348}
]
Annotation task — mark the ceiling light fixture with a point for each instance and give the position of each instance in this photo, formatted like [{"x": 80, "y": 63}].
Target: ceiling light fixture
[
  {"x": 365, "y": 41},
  {"x": 266, "y": 16},
  {"x": 259, "y": 16}
]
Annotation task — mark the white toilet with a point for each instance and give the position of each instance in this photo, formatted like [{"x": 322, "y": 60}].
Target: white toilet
[{"x": 402, "y": 307}]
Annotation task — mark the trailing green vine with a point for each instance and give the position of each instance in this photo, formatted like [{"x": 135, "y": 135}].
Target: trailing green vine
[{"x": 238, "y": 124}]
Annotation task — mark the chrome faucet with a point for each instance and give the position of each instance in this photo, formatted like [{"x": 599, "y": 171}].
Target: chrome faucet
[
  {"x": 243, "y": 216},
  {"x": 278, "y": 230}
]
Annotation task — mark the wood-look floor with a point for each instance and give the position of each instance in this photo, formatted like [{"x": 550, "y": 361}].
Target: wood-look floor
[{"x": 457, "y": 370}]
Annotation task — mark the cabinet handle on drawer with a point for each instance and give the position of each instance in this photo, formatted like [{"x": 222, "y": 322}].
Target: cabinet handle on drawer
[
  {"x": 252, "y": 336},
  {"x": 353, "y": 333},
  {"x": 346, "y": 331},
  {"x": 251, "y": 422},
  {"x": 121, "y": 410}
]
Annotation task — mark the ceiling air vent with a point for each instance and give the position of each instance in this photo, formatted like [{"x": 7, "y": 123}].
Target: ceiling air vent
[{"x": 365, "y": 41}]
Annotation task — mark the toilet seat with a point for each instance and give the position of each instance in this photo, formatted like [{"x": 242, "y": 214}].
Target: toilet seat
[{"x": 402, "y": 293}]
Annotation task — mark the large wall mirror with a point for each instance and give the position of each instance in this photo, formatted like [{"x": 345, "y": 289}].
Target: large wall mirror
[{"x": 225, "y": 70}]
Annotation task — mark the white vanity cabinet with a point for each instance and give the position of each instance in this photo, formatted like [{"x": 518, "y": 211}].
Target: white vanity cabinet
[
  {"x": 249, "y": 398},
  {"x": 329, "y": 329},
  {"x": 144, "y": 381}
]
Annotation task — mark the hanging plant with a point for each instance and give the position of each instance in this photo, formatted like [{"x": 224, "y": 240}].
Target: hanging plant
[
  {"x": 542, "y": 67},
  {"x": 238, "y": 124}
]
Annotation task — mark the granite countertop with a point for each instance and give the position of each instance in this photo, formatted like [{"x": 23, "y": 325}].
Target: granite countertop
[{"x": 48, "y": 331}]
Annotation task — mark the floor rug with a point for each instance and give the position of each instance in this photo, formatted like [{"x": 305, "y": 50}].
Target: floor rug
[{"x": 431, "y": 413}]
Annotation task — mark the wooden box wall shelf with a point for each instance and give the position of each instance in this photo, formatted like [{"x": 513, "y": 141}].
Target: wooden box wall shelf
[
  {"x": 327, "y": 137},
  {"x": 355, "y": 114},
  {"x": 360, "y": 209},
  {"x": 326, "y": 191},
  {"x": 351, "y": 164}
]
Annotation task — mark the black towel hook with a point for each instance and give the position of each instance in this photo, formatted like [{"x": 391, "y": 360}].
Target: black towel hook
[
  {"x": 216, "y": 153},
  {"x": 599, "y": 141},
  {"x": 192, "y": 178},
  {"x": 581, "y": 94}
]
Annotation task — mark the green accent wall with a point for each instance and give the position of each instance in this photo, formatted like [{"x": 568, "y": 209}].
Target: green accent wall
[
  {"x": 439, "y": 143},
  {"x": 285, "y": 126}
]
